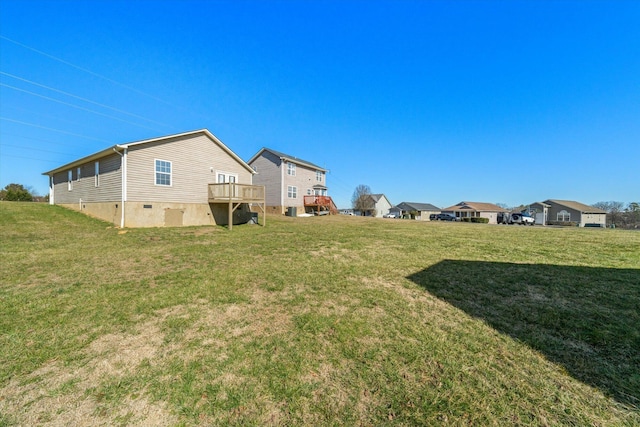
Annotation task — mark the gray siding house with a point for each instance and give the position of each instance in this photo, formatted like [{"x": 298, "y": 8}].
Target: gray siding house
[
  {"x": 190, "y": 178},
  {"x": 417, "y": 211},
  {"x": 568, "y": 212},
  {"x": 290, "y": 182}
]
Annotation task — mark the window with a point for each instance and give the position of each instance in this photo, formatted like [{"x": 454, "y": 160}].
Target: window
[
  {"x": 292, "y": 192},
  {"x": 291, "y": 169},
  {"x": 319, "y": 176},
  {"x": 163, "y": 173},
  {"x": 309, "y": 192},
  {"x": 564, "y": 216},
  {"x": 97, "y": 173},
  {"x": 78, "y": 173},
  {"x": 227, "y": 177},
  {"x": 70, "y": 180}
]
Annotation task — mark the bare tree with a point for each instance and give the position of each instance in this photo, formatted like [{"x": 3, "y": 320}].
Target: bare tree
[
  {"x": 614, "y": 212},
  {"x": 361, "y": 199}
]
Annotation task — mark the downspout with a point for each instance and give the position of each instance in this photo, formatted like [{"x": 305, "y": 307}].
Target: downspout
[
  {"x": 282, "y": 183},
  {"x": 123, "y": 155},
  {"x": 51, "y": 191}
]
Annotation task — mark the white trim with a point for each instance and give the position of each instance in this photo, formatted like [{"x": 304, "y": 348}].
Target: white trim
[
  {"x": 292, "y": 189},
  {"x": 225, "y": 176},
  {"x": 156, "y": 172}
]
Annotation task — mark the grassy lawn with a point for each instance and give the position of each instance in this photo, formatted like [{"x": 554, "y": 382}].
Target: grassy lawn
[{"x": 316, "y": 321}]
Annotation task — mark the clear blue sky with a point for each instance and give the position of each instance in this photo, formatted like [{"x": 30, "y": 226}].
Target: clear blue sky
[{"x": 425, "y": 101}]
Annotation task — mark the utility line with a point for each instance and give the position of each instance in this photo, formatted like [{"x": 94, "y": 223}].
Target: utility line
[
  {"x": 54, "y": 130},
  {"x": 84, "y": 99},
  {"x": 96, "y": 74},
  {"x": 34, "y": 149},
  {"x": 29, "y": 158},
  {"x": 76, "y": 106}
]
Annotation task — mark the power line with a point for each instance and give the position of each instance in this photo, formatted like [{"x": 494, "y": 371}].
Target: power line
[
  {"x": 29, "y": 137},
  {"x": 75, "y": 106},
  {"x": 29, "y": 158},
  {"x": 34, "y": 149},
  {"x": 54, "y": 130},
  {"x": 96, "y": 74},
  {"x": 84, "y": 99}
]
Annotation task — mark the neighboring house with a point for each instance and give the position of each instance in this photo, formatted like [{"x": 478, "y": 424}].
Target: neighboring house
[
  {"x": 568, "y": 212},
  {"x": 475, "y": 210},
  {"x": 291, "y": 184},
  {"x": 190, "y": 178},
  {"x": 418, "y": 211},
  {"x": 378, "y": 205}
]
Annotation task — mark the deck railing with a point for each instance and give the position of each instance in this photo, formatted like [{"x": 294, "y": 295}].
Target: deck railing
[
  {"x": 317, "y": 201},
  {"x": 236, "y": 192}
]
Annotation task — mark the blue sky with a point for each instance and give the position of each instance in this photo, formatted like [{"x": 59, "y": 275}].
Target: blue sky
[{"x": 425, "y": 101}]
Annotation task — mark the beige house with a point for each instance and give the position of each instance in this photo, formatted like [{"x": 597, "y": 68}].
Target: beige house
[
  {"x": 475, "y": 210},
  {"x": 190, "y": 178},
  {"x": 568, "y": 212},
  {"x": 292, "y": 185},
  {"x": 380, "y": 205}
]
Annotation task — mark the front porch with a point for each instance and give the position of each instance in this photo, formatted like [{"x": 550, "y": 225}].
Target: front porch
[{"x": 235, "y": 194}]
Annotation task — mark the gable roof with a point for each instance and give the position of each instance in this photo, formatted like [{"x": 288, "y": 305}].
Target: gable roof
[
  {"x": 475, "y": 206},
  {"x": 581, "y": 207},
  {"x": 118, "y": 148},
  {"x": 286, "y": 158},
  {"x": 419, "y": 206},
  {"x": 376, "y": 198}
]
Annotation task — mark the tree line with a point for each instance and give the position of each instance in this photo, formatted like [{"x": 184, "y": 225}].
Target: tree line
[
  {"x": 19, "y": 193},
  {"x": 621, "y": 215}
]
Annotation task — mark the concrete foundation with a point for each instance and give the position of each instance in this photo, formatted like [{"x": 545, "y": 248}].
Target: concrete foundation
[{"x": 156, "y": 214}]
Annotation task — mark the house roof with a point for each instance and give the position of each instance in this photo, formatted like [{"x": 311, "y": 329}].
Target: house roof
[
  {"x": 475, "y": 206},
  {"x": 376, "y": 197},
  {"x": 419, "y": 206},
  {"x": 287, "y": 158},
  {"x": 581, "y": 207},
  {"x": 118, "y": 148}
]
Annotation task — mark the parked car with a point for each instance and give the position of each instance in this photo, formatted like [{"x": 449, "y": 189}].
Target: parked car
[
  {"x": 390, "y": 215},
  {"x": 433, "y": 217},
  {"x": 447, "y": 217},
  {"x": 522, "y": 218}
]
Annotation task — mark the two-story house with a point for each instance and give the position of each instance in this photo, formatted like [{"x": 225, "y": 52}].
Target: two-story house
[{"x": 292, "y": 185}]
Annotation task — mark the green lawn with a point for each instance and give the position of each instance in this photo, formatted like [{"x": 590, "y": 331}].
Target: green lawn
[{"x": 316, "y": 321}]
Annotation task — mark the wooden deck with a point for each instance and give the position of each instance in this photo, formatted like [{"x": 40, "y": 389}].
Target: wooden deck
[
  {"x": 321, "y": 204},
  {"x": 235, "y": 194}
]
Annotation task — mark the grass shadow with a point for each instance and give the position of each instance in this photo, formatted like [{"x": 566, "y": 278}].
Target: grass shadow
[{"x": 585, "y": 319}]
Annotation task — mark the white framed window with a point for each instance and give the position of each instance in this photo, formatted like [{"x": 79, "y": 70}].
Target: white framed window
[
  {"x": 292, "y": 192},
  {"x": 227, "y": 177},
  {"x": 291, "y": 169},
  {"x": 319, "y": 176},
  {"x": 78, "y": 174},
  {"x": 309, "y": 192},
  {"x": 70, "y": 180},
  {"x": 97, "y": 173},
  {"x": 564, "y": 216},
  {"x": 163, "y": 173}
]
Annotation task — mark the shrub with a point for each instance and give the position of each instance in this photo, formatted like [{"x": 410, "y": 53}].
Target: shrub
[
  {"x": 480, "y": 220},
  {"x": 563, "y": 223}
]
